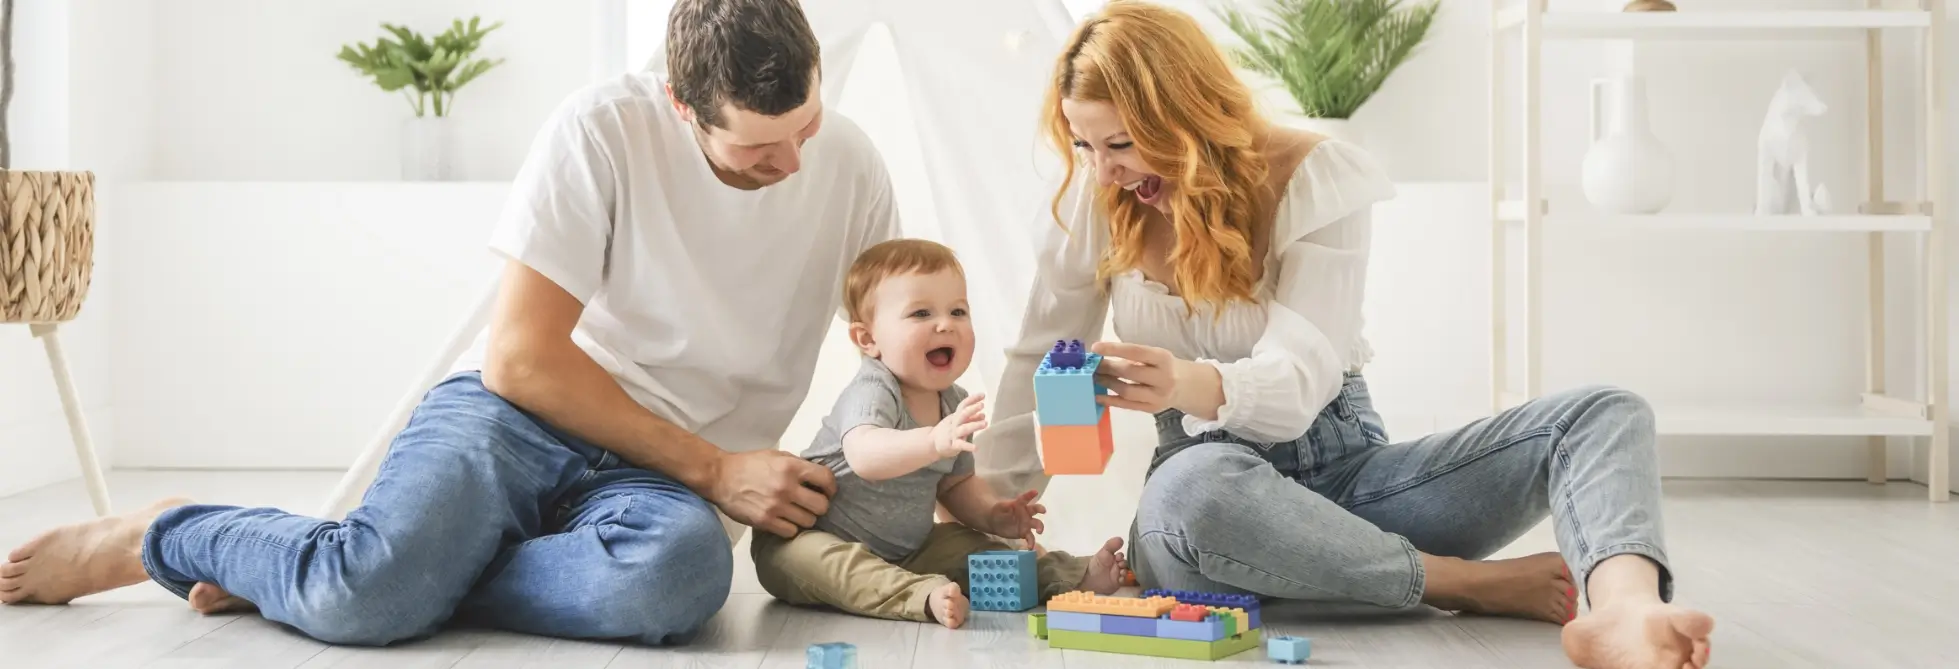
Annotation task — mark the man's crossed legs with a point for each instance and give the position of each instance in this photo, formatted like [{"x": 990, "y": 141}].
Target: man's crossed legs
[{"x": 479, "y": 513}]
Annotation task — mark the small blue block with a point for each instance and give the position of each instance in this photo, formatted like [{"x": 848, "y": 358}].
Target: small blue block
[
  {"x": 1247, "y": 602},
  {"x": 1288, "y": 649},
  {"x": 832, "y": 656},
  {"x": 1128, "y": 626},
  {"x": 1066, "y": 395},
  {"x": 1209, "y": 629},
  {"x": 1072, "y": 621},
  {"x": 1001, "y": 580}
]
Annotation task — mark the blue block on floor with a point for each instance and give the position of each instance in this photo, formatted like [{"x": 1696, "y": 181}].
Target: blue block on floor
[
  {"x": 1210, "y": 629},
  {"x": 832, "y": 656},
  {"x": 1001, "y": 580},
  {"x": 1288, "y": 649},
  {"x": 1128, "y": 626},
  {"x": 1075, "y": 622}
]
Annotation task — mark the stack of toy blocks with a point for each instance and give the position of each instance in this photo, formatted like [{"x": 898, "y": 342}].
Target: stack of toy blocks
[
  {"x": 1074, "y": 428},
  {"x": 1001, "y": 580},
  {"x": 1157, "y": 625},
  {"x": 836, "y": 655}
]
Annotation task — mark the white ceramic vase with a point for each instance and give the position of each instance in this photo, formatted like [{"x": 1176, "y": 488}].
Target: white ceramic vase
[
  {"x": 1627, "y": 170},
  {"x": 1336, "y": 128},
  {"x": 426, "y": 148}
]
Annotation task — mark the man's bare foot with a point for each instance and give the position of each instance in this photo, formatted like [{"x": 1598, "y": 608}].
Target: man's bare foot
[
  {"x": 1536, "y": 587},
  {"x": 1639, "y": 636},
  {"x": 1104, "y": 569},
  {"x": 208, "y": 599},
  {"x": 948, "y": 605},
  {"x": 80, "y": 559}
]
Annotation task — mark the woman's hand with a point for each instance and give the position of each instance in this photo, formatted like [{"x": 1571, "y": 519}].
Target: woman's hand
[{"x": 1151, "y": 379}]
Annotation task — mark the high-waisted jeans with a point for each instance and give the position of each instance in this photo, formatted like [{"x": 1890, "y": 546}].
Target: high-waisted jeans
[{"x": 1340, "y": 513}]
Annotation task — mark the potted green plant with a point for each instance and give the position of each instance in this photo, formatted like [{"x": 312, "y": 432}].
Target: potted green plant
[
  {"x": 428, "y": 73},
  {"x": 1329, "y": 55}
]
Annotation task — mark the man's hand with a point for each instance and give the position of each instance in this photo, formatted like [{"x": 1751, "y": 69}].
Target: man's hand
[
  {"x": 773, "y": 491},
  {"x": 1016, "y": 517},
  {"x": 949, "y": 437}
]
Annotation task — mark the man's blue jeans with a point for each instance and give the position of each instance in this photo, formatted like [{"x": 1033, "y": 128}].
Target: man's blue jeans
[{"x": 482, "y": 513}]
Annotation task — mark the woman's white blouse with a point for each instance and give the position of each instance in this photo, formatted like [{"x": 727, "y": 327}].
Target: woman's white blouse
[{"x": 1281, "y": 358}]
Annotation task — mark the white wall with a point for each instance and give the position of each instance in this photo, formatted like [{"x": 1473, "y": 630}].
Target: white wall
[{"x": 251, "y": 91}]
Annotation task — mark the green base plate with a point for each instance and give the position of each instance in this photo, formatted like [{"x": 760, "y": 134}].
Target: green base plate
[{"x": 1142, "y": 645}]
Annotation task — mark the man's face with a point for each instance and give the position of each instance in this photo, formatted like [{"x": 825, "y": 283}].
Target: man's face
[{"x": 753, "y": 150}]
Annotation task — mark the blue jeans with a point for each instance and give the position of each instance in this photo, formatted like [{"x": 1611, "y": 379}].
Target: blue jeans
[
  {"x": 1340, "y": 513},
  {"x": 480, "y": 513}
]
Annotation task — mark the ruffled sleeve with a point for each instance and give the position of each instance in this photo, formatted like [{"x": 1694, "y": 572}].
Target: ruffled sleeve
[
  {"x": 1316, "y": 271},
  {"x": 1066, "y": 301}
]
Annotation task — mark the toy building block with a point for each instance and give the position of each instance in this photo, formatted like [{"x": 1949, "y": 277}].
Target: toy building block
[
  {"x": 1212, "y": 628},
  {"x": 1076, "y": 449},
  {"x": 1065, "y": 387},
  {"x": 1037, "y": 625},
  {"x": 1247, "y": 602},
  {"x": 1129, "y": 625},
  {"x": 1001, "y": 580},
  {"x": 1068, "y": 353},
  {"x": 1189, "y": 613},
  {"x": 1076, "y": 622},
  {"x": 1085, "y": 602},
  {"x": 1237, "y": 617},
  {"x": 1143, "y": 645},
  {"x": 832, "y": 656},
  {"x": 1288, "y": 649}
]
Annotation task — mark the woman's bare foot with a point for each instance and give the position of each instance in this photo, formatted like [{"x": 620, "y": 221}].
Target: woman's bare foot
[
  {"x": 948, "y": 605},
  {"x": 208, "y": 599},
  {"x": 1536, "y": 587},
  {"x": 80, "y": 559},
  {"x": 1639, "y": 636},
  {"x": 1104, "y": 569}
]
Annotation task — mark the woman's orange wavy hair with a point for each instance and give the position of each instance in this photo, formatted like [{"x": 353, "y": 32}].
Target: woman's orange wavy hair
[{"x": 1192, "y": 120}]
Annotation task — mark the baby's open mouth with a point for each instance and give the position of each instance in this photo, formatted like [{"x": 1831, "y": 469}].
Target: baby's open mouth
[{"x": 939, "y": 357}]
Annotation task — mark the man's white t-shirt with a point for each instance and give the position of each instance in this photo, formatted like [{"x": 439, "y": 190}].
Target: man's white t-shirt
[{"x": 706, "y": 302}]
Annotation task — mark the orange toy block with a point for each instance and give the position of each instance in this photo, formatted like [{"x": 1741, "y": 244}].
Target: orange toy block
[
  {"x": 1077, "y": 449},
  {"x": 1086, "y": 602}
]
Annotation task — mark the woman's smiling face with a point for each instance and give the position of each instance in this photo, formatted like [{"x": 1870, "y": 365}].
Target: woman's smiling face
[{"x": 1099, "y": 130}]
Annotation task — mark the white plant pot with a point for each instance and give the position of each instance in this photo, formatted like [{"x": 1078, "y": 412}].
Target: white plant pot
[
  {"x": 1627, "y": 170},
  {"x": 426, "y": 149},
  {"x": 1336, "y": 128}
]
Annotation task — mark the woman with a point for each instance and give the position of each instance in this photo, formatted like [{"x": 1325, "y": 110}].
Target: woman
[{"x": 1232, "y": 253}]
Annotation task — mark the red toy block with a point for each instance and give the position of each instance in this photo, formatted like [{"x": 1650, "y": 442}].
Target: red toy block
[
  {"x": 1190, "y": 613},
  {"x": 1077, "y": 449}
]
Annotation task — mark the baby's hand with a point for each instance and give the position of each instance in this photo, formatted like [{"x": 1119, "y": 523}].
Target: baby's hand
[{"x": 949, "y": 436}]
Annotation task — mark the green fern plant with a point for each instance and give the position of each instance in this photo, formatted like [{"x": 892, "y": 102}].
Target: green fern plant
[
  {"x": 428, "y": 73},
  {"x": 1330, "y": 55}
]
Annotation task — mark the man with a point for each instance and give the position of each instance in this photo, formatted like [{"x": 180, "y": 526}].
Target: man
[{"x": 674, "y": 253}]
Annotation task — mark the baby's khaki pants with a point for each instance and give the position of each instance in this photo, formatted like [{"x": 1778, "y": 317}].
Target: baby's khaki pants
[{"x": 819, "y": 568}]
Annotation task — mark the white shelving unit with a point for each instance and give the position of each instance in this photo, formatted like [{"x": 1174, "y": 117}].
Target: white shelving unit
[{"x": 1877, "y": 412}]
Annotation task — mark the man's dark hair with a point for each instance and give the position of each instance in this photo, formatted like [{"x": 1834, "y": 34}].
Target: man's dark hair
[{"x": 757, "y": 55}]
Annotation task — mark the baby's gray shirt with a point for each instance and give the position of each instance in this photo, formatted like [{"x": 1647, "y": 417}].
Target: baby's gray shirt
[{"x": 893, "y": 516}]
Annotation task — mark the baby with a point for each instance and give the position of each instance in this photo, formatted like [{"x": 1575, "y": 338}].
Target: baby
[{"x": 898, "y": 441}]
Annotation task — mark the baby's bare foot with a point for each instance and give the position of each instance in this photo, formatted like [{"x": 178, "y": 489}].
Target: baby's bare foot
[
  {"x": 1104, "y": 569},
  {"x": 80, "y": 559},
  {"x": 1537, "y": 587},
  {"x": 948, "y": 605},
  {"x": 208, "y": 599},
  {"x": 1640, "y": 636}
]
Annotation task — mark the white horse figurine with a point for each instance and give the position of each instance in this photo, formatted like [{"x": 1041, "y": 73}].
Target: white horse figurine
[{"x": 1782, "y": 183}]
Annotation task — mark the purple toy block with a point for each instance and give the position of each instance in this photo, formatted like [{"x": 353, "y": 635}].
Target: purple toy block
[
  {"x": 1067, "y": 354},
  {"x": 1210, "y": 629},
  {"x": 1128, "y": 625},
  {"x": 1247, "y": 602}
]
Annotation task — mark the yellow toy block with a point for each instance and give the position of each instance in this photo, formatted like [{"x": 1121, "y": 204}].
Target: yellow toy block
[
  {"x": 1086, "y": 602},
  {"x": 1237, "y": 614}
]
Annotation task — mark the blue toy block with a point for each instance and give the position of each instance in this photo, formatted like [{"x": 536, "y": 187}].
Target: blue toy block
[
  {"x": 1128, "y": 626},
  {"x": 1288, "y": 649},
  {"x": 1075, "y": 622},
  {"x": 1001, "y": 580},
  {"x": 1066, "y": 395},
  {"x": 1247, "y": 602},
  {"x": 1209, "y": 629},
  {"x": 832, "y": 656}
]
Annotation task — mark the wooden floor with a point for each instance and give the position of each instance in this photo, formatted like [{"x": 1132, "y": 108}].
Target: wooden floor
[{"x": 1797, "y": 574}]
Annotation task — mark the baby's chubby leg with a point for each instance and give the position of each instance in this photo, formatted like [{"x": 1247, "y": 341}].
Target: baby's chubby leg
[
  {"x": 1056, "y": 572},
  {"x": 818, "y": 568}
]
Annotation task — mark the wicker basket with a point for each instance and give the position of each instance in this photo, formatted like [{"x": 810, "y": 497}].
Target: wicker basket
[{"x": 47, "y": 244}]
